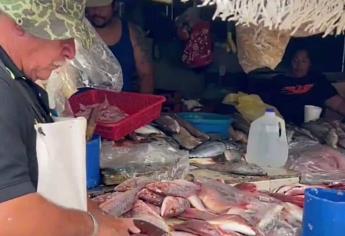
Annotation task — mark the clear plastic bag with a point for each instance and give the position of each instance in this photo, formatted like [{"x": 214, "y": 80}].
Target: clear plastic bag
[
  {"x": 157, "y": 160},
  {"x": 96, "y": 67}
]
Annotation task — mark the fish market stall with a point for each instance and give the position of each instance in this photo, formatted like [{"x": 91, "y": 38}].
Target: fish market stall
[{"x": 174, "y": 177}]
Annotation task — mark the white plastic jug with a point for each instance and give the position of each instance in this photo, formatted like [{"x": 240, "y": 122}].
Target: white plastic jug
[{"x": 267, "y": 142}]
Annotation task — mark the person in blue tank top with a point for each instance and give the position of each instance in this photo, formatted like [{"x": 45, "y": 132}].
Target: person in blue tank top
[{"x": 126, "y": 41}]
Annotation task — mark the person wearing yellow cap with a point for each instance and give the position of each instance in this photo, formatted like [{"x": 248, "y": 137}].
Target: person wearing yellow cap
[
  {"x": 37, "y": 36},
  {"x": 126, "y": 41}
]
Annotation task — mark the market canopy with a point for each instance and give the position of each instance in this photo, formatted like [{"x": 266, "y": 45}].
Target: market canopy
[{"x": 313, "y": 16}]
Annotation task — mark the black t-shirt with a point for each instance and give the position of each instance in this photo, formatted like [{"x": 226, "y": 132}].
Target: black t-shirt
[
  {"x": 290, "y": 94},
  {"x": 22, "y": 104}
]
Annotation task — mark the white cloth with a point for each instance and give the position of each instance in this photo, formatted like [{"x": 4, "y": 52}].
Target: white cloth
[{"x": 61, "y": 155}]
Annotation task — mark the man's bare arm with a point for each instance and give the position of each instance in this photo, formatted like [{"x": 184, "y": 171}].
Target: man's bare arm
[
  {"x": 33, "y": 215},
  {"x": 337, "y": 104},
  {"x": 143, "y": 60}
]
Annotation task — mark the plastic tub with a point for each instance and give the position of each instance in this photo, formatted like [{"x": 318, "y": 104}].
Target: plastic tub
[
  {"x": 93, "y": 153},
  {"x": 324, "y": 213},
  {"x": 210, "y": 123},
  {"x": 142, "y": 109}
]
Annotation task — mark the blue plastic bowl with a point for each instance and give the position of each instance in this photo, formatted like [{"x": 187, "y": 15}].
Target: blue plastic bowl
[
  {"x": 209, "y": 123},
  {"x": 93, "y": 152},
  {"x": 324, "y": 213}
]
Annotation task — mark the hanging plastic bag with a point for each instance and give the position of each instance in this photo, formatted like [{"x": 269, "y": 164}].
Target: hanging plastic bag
[
  {"x": 250, "y": 106},
  {"x": 96, "y": 67},
  {"x": 260, "y": 47}
]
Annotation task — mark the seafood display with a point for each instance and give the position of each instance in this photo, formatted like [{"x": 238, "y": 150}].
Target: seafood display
[
  {"x": 203, "y": 207},
  {"x": 162, "y": 202}
]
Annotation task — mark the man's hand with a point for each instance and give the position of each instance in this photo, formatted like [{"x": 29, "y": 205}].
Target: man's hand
[{"x": 111, "y": 226}]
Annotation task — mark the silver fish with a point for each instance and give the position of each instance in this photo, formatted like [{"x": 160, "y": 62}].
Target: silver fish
[
  {"x": 191, "y": 129},
  {"x": 208, "y": 149},
  {"x": 186, "y": 140},
  {"x": 235, "y": 167},
  {"x": 167, "y": 124},
  {"x": 300, "y": 131},
  {"x": 234, "y": 151},
  {"x": 244, "y": 168},
  {"x": 148, "y": 130},
  {"x": 323, "y": 131}
]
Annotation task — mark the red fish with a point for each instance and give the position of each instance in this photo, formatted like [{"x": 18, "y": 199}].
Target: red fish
[
  {"x": 150, "y": 197},
  {"x": 177, "y": 188},
  {"x": 174, "y": 206}
]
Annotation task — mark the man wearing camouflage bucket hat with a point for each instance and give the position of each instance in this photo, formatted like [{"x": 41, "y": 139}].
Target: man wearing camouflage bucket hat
[{"x": 36, "y": 37}]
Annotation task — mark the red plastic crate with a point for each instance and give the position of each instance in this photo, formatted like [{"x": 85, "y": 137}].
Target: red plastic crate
[{"x": 142, "y": 109}]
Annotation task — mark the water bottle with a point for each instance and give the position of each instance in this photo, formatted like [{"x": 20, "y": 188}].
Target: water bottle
[{"x": 267, "y": 142}]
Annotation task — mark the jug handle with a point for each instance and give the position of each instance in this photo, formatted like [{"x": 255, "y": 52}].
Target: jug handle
[{"x": 282, "y": 127}]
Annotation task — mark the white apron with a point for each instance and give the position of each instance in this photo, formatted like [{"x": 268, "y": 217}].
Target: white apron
[{"x": 61, "y": 156}]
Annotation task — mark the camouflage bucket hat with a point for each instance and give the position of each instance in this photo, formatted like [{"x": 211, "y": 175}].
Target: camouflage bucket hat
[
  {"x": 98, "y": 3},
  {"x": 51, "y": 19}
]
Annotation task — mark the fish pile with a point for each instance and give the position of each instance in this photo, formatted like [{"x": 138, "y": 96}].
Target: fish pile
[
  {"x": 204, "y": 151},
  {"x": 317, "y": 164},
  {"x": 331, "y": 133},
  {"x": 182, "y": 131},
  {"x": 205, "y": 207}
]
